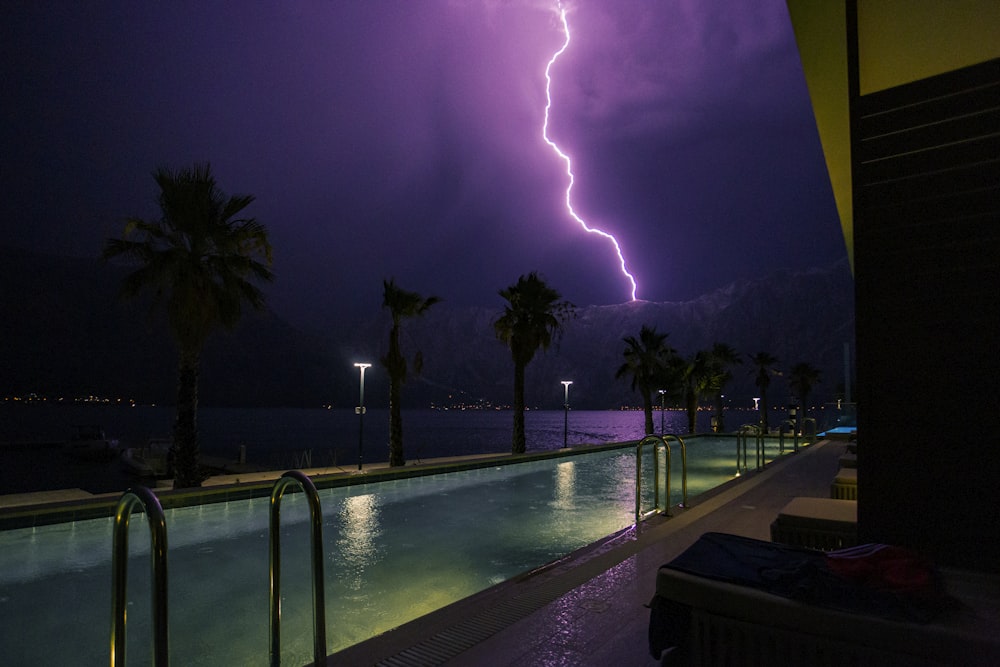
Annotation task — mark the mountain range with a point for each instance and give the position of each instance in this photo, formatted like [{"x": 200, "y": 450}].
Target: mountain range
[{"x": 66, "y": 333}]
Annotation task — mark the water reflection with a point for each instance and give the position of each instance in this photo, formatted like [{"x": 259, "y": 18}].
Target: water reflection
[
  {"x": 565, "y": 492},
  {"x": 357, "y": 548}
]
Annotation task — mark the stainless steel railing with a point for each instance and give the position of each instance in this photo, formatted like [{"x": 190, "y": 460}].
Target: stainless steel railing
[
  {"x": 781, "y": 435},
  {"x": 684, "y": 468},
  {"x": 144, "y": 498},
  {"x": 741, "y": 447},
  {"x": 809, "y": 434},
  {"x": 662, "y": 440},
  {"x": 294, "y": 477},
  {"x": 649, "y": 439}
]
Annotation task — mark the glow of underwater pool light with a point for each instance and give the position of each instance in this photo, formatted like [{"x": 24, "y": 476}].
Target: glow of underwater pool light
[{"x": 566, "y": 159}]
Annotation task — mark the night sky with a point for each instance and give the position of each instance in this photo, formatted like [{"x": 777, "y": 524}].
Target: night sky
[{"x": 403, "y": 139}]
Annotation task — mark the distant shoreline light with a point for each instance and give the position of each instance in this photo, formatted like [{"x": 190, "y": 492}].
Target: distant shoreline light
[{"x": 74, "y": 400}]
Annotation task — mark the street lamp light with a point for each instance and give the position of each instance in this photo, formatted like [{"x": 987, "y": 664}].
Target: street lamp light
[
  {"x": 566, "y": 384},
  {"x": 360, "y": 412},
  {"x": 663, "y": 398}
]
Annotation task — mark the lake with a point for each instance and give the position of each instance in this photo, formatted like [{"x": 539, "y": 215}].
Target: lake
[{"x": 278, "y": 437}]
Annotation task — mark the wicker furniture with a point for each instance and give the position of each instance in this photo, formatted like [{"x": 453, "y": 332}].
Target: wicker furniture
[
  {"x": 817, "y": 523},
  {"x": 845, "y": 484}
]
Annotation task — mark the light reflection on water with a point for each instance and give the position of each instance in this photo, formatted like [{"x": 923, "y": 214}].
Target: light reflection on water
[
  {"x": 356, "y": 544},
  {"x": 565, "y": 485},
  {"x": 394, "y": 551}
]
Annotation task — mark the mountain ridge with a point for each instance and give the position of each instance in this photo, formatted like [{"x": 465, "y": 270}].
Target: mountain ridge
[{"x": 68, "y": 334}]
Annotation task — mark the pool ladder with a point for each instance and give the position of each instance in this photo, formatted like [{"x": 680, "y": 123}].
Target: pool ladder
[
  {"x": 294, "y": 477},
  {"x": 790, "y": 424},
  {"x": 662, "y": 440},
  {"x": 145, "y": 499},
  {"x": 742, "y": 437}
]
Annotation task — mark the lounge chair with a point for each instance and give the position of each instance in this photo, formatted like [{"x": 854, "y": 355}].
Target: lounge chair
[
  {"x": 849, "y": 460},
  {"x": 730, "y": 600},
  {"x": 845, "y": 484},
  {"x": 817, "y": 523}
]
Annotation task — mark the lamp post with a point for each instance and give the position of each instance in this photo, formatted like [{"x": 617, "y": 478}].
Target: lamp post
[
  {"x": 663, "y": 398},
  {"x": 566, "y": 384},
  {"x": 360, "y": 411}
]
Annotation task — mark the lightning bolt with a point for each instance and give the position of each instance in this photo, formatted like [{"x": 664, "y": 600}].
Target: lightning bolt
[{"x": 566, "y": 159}]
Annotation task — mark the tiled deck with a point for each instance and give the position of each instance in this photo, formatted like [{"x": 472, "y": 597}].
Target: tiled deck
[{"x": 590, "y": 609}]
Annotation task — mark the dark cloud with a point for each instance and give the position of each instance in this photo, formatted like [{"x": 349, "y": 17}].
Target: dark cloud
[{"x": 393, "y": 138}]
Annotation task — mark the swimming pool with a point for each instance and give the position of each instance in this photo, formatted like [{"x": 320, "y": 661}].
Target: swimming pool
[{"x": 395, "y": 550}]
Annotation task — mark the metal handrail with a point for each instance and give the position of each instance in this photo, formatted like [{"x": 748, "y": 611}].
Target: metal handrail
[
  {"x": 811, "y": 437},
  {"x": 148, "y": 501},
  {"x": 662, "y": 439},
  {"x": 274, "y": 566},
  {"x": 741, "y": 445},
  {"x": 781, "y": 435},
  {"x": 684, "y": 468},
  {"x": 656, "y": 474}
]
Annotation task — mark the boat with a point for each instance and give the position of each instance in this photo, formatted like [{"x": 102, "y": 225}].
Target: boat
[
  {"x": 89, "y": 441},
  {"x": 154, "y": 459}
]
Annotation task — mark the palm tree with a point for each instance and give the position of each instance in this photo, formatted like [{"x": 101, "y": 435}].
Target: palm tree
[
  {"x": 401, "y": 304},
  {"x": 533, "y": 315},
  {"x": 196, "y": 260},
  {"x": 650, "y": 362},
  {"x": 763, "y": 364},
  {"x": 702, "y": 377},
  {"x": 723, "y": 356},
  {"x": 801, "y": 379}
]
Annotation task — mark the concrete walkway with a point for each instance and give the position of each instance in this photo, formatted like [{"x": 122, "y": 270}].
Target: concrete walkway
[{"x": 589, "y": 609}]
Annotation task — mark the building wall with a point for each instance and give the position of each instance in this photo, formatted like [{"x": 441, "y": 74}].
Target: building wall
[
  {"x": 926, "y": 184},
  {"x": 917, "y": 178}
]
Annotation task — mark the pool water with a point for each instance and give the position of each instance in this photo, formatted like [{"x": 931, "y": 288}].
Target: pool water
[{"x": 395, "y": 551}]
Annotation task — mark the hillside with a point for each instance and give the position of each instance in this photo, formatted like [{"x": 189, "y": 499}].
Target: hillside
[
  {"x": 67, "y": 333},
  {"x": 797, "y": 317}
]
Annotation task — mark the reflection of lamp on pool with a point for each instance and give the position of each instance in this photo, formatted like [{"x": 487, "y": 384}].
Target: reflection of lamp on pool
[
  {"x": 360, "y": 411},
  {"x": 566, "y": 384}
]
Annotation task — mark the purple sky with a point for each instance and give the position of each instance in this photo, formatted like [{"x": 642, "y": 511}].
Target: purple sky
[{"x": 403, "y": 139}]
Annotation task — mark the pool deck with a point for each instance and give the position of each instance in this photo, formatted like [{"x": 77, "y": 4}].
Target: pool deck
[
  {"x": 590, "y": 609},
  {"x": 586, "y": 609}
]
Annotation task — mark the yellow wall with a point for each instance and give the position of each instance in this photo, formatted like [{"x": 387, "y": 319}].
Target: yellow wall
[
  {"x": 900, "y": 41},
  {"x": 820, "y": 27}
]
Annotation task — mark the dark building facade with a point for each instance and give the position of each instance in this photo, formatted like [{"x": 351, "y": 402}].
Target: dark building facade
[{"x": 919, "y": 199}]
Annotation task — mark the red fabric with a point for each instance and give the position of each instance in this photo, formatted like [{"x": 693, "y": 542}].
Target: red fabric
[{"x": 883, "y": 567}]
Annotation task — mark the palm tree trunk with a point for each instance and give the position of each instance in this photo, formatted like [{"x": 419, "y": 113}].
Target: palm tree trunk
[
  {"x": 187, "y": 468},
  {"x": 720, "y": 425},
  {"x": 647, "y": 409},
  {"x": 518, "y": 440},
  {"x": 802, "y": 411},
  {"x": 396, "y": 457},
  {"x": 763, "y": 410},
  {"x": 692, "y": 409},
  {"x": 395, "y": 364}
]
